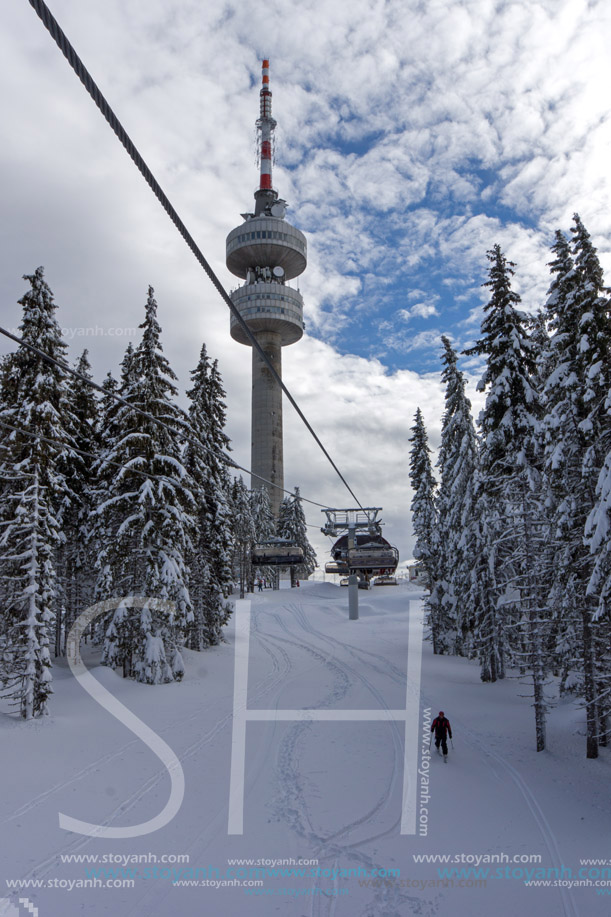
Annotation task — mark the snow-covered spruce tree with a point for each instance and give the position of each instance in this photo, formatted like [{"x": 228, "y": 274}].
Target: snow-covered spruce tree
[
  {"x": 541, "y": 347},
  {"x": 453, "y": 538},
  {"x": 564, "y": 640},
  {"x": 424, "y": 521},
  {"x": 106, "y": 433},
  {"x": 481, "y": 584},
  {"x": 210, "y": 574},
  {"x": 511, "y": 479},
  {"x": 145, "y": 524},
  {"x": 76, "y": 561},
  {"x": 540, "y": 342},
  {"x": 109, "y": 431},
  {"x": 33, "y": 407},
  {"x": 107, "y": 400},
  {"x": 29, "y": 587},
  {"x": 292, "y": 527},
  {"x": 595, "y": 347},
  {"x": 222, "y": 522},
  {"x": 265, "y": 527},
  {"x": 243, "y": 535},
  {"x": 598, "y": 540},
  {"x": 576, "y": 420},
  {"x": 598, "y": 533}
]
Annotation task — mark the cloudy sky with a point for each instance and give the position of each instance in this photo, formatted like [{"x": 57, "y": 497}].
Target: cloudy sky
[{"x": 412, "y": 136}]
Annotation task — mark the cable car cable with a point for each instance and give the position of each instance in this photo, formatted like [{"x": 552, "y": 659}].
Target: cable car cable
[
  {"x": 83, "y": 452},
  {"x": 88, "y": 82},
  {"x": 91, "y": 455},
  {"x": 182, "y": 433}
]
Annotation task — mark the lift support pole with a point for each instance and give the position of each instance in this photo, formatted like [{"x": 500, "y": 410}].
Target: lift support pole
[
  {"x": 338, "y": 520},
  {"x": 353, "y": 583}
]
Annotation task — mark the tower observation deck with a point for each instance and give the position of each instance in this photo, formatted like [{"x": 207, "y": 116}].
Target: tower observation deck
[{"x": 266, "y": 251}]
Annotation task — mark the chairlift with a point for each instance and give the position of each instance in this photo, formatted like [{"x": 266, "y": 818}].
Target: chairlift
[
  {"x": 370, "y": 556},
  {"x": 277, "y": 552}
]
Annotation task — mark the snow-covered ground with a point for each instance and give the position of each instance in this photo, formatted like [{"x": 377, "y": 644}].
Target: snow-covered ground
[{"x": 328, "y": 792}]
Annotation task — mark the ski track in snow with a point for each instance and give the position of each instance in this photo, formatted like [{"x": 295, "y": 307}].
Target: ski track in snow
[
  {"x": 568, "y": 902},
  {"x": 293, "y": 809},
  {"x": 44, "y": 867},
  {"x": 551, "y": 842},
  {"x": 276, "y": 678},
  {"x": 96, "y": 766},
  {"x": 293, "y": 806},
  {"x": 547, "y": 833}
]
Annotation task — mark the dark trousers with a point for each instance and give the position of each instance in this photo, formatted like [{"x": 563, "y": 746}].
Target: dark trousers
[{"x": 444, "y": 743}]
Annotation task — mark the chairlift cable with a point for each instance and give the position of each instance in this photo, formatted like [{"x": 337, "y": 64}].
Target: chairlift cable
[
  {"x": 182, "y": 433},
  {"x": 86, "y": 79},
  {"x": 61, "y": 445}
]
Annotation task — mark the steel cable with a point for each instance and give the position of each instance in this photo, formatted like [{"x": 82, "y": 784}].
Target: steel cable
[{"x": 88, "y": 82}]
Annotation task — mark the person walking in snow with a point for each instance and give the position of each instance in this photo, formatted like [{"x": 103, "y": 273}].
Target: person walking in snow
[{"x": 442, "y": 729}]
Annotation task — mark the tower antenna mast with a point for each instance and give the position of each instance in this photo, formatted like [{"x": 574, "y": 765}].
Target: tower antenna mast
[{"x": 265, "y": 130}]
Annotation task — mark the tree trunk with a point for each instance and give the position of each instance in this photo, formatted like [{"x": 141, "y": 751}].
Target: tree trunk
[{"x": 589, "y": 684}]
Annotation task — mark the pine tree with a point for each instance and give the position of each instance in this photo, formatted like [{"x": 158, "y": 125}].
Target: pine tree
[
  {"x": 457, "y": 463},
  {"x": 264, "y": 525},
  {"x": 554, "y": 373},
  {"x": 101, "y": 481},
  {"x": 29, "y": 587},
  {"x": 210, "y": 573},
  {"x": 292, "y": 527},
  {"x": 145, "y": 525},
  {"x": 481, "y": 583},
  {"x": 424, "y": 520},
  {"x": 107, "y": 401},
  {"x": 598, "y": 539},
  {"x": 598, "y": 590},
  {"x": 221, "y": 522},
  {"x": 511, "y": 480},
  {"x": 540, "y": 342},
  {"x": 243, "y": 532},
  {"x": 575, "y": 424},
  {"x": 33, "y": 412},
  {"x": 76, "y": 560}
]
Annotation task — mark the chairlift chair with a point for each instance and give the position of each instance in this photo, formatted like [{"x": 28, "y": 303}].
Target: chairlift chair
[{"x": 277, "y": 553}]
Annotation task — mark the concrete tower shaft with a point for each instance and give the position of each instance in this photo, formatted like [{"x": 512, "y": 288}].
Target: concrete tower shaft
[
  {"x": 266, "y": 446},
  {"x": 266, "y": 252}
]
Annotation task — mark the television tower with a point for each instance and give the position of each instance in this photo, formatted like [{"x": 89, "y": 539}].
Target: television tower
[{"x": 266, "y": 252}]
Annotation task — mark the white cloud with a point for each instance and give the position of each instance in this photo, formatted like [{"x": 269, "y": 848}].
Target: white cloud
[
  {"x": 418, "y": 310},
  {"x": 412, "y": 137},
  {"x": 363, "y": 415}
]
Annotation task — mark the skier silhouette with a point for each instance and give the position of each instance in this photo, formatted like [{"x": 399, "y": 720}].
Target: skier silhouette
[{"x": 442, "y": 729}]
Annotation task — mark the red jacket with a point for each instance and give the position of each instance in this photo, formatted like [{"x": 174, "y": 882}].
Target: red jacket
[{"x": 441, "y": 726}]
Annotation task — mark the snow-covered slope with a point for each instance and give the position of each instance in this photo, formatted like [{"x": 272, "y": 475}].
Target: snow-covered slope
[{"x": 328, "y": 792}]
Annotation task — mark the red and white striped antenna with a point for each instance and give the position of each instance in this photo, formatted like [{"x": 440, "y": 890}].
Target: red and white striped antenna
[{"x": 265, "y": 128}]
